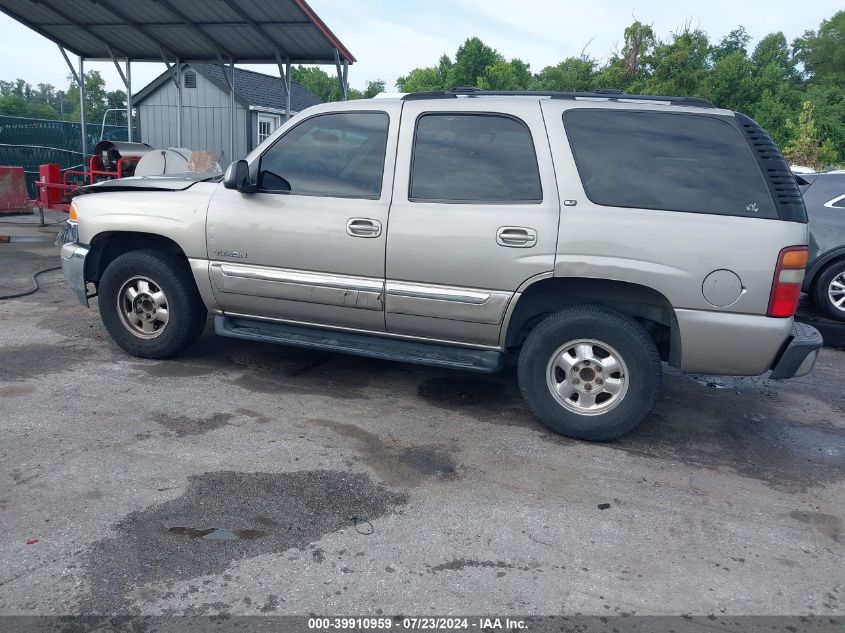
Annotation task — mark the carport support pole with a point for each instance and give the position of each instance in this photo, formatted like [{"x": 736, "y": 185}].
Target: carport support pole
[
  {"x": 128, "y": 100},
  {"x": 285, "y": 73},
  {"x": 81, "y": 81},
  {"x": 342, "y": 74},
  {"x": 232, "y": 112},
  {"x": 178, "y": 102},
  {"x": 287, "y": 90}
]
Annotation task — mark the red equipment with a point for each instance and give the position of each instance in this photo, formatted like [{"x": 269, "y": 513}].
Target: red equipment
[
  {"x": 13, "y": 196},
  {"x": 111, "y": 159}
]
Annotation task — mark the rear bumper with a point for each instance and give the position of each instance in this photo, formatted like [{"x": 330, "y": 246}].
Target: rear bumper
[
  {"x": 73, "y": 267},
  {"x": 729, "y": 344},
  {"x": 799, "y": 355}
]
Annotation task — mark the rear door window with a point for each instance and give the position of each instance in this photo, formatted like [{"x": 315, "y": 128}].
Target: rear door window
[
  {"x": 474, "y": 158},
  {"x": 666, "y": 161}
]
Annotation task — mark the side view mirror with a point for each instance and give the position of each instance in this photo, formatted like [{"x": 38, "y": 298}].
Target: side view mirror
[{"x": 237, "y": 177}]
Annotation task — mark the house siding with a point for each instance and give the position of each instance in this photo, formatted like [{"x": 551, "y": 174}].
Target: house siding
[{"x": 205, "y": 119}]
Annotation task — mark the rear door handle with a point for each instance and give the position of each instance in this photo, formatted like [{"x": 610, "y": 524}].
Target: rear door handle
[
  {"x": 516, "y": 237},
  {"x": 363, "y": 227}
]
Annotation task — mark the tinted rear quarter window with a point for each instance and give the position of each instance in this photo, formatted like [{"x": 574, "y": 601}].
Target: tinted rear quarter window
[
  {"x": 666, "y": 161},
  {"x": 473, "y": 158}
]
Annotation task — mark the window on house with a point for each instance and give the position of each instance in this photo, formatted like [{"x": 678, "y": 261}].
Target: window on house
[
  {"x": 190, "y": 80},
  {"x": 267, "y": 124}
]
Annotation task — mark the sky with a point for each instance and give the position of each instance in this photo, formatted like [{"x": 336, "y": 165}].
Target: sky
[{"x": 390, "y": 37}]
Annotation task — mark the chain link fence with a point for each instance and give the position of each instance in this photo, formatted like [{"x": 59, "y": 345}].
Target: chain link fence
[{"x": 31, "y": 142}]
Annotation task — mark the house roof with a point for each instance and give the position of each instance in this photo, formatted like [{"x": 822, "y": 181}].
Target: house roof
[
  {"x": 251, "y": 88},
  {"x": 259, "y": 31}
]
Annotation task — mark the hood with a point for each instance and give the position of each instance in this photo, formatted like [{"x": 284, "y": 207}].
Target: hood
[{"x": 170, "y": 182}]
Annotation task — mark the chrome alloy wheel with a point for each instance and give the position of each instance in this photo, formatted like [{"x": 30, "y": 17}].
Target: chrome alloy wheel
[
  {"x": 143, "y": 307},
  {"x": 836, "y": 291},
  {"x": 587, "y": 377}
]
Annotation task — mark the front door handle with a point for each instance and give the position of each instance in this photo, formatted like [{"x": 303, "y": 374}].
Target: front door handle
[
  {"x": 516, "y": 237},
  {"x": 363, "y": 227}
]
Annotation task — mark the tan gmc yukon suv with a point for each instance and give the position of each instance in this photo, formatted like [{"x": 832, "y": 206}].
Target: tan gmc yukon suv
[{"x": 593, "y": 235}]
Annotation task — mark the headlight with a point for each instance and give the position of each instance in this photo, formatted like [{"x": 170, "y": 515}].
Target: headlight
[{"x": 73, "y": 215}]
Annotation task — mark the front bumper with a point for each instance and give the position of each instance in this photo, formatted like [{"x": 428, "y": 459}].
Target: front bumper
[
  {"x": 73, "y": 267},
  {"x": 799, "y": 355}
]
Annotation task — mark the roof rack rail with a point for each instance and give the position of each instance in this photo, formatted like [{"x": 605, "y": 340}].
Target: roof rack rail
[{"x": 610, "y": 94}]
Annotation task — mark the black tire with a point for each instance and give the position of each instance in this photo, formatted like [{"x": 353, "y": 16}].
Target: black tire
[
  {"x": 821, "y": 288},
  {"x": 604, "y": 326},
  {"x": 186, "y": 311}
]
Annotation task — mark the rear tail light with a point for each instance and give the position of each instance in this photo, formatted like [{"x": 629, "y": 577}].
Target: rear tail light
[{"x": 786, "y": 287}]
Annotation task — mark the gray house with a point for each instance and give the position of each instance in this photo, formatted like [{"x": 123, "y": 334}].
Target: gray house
[{"x": 259, "y": 109}]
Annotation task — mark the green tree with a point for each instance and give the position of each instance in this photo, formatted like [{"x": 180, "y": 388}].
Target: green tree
[
  {"x": 19, "y": 98},
  {"x": 823, "y": 52},
  {"x": 373, "y": 88},
  {"x": 679, "y": 66},
  {"x": 629, "y": 69},
  {"x": 471, "y": 63},
  {"x": 734, "y": 42},
  {"x": 512, "y": 75},
  {"x": 426, "y": 79},
  {"x": 806, "y": 147},
  {"x": 97, "y": 98},
  {"x": 773, "y": 114},
  {"x": 420, "y": 80},
  {"x": 729, "y": 84},
  {"x": 573, "y": 74},
  {"x": 829, "y": 114},
  {"x": 317, "y": 81}
]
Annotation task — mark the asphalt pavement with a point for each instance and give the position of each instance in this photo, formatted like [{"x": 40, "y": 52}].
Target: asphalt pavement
[{"x": 244, "y": 478}]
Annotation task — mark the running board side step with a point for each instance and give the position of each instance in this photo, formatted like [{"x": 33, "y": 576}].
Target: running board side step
[{"x": 486, "y": 361}]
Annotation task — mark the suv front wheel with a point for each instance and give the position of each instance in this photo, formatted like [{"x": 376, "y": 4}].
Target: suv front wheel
[
  {"x": 150, "y": 304},
  {"x": 590, "y": 372}
]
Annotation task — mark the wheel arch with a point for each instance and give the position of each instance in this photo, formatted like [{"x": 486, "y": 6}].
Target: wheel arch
[
  {"x": 820, "y": 266},
  {"x": 105, "y": 247},
  {"x": 545, "y": 295}
]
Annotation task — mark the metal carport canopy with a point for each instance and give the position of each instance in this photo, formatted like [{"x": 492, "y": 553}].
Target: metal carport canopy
[
  {"x": 224, "y": 31},
  {"x": 243, "y": 31}
]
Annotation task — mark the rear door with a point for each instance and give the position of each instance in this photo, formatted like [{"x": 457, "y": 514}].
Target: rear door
[{"x": 474, "y": 215}]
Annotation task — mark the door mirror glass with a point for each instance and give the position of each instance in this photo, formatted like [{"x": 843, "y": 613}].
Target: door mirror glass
[
  {"x": 237, "y": 177},
  {"x": 268, "y": 181}
]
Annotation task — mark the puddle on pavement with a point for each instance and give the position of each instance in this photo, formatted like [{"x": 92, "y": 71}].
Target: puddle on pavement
[
  {"x": 21, "y": 362},
  {"x": 740, "y": 426},
  {"x": 216, "y": 534},
  {"x": 395, "y": 464},
  {"x": 183, "y": 426},
  {"x": 174, "y": 369},
  {"x": 191, "y": 536}
]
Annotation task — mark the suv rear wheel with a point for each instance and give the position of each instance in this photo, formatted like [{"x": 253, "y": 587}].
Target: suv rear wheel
[
  {"x": 590, "y": 372},
  {"x": 830, "y": 291},
  {"x": 150, "y": 304}
]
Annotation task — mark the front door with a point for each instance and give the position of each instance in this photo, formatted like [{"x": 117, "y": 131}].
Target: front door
[
  {"x": 309, "y": 245},
  {"x": 475, "y": 214}
]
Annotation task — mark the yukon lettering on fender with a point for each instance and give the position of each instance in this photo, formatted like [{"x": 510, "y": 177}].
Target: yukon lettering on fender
[{"x": 235, "y": 254}]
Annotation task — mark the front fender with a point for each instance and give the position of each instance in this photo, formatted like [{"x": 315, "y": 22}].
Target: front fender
[{"x": 177, "y": 215}]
